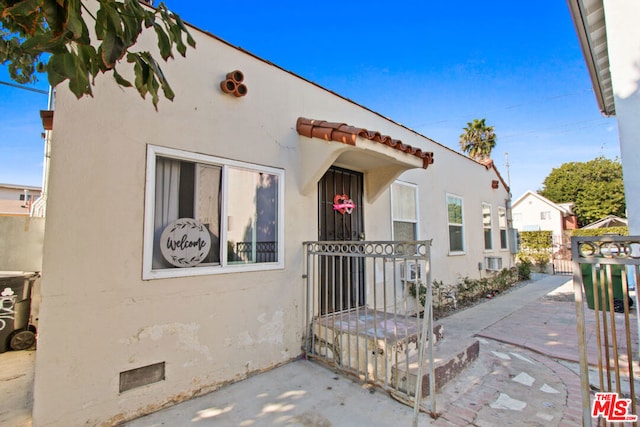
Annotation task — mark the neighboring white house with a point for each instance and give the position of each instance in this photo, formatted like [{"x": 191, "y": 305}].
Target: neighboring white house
[
  {"x": 533, "y": 212},
  {"x": 263, "y": 160},
  {"x": 609, "y": 34},
  {"x": 17, "y": 199},
  {"x": 19, "y": 192}
]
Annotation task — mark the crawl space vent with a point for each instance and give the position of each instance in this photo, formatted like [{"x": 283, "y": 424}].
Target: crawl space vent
[{"x": 141, "y": 376}]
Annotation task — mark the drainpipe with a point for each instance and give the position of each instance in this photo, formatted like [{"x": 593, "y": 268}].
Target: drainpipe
[
  {"x": 510, "y": 241},
  {"x": 39, "y": 207}
]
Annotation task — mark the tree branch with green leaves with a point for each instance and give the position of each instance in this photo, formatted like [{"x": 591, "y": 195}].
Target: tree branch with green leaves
[
  {"x": 53, "y": 36},
  {"x": 595, "y": 187}
]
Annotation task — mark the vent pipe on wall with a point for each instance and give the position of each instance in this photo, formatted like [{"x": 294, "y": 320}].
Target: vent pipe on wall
[{"x": 233, "y": 84}]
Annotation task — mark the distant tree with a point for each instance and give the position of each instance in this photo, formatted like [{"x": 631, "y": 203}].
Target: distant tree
[
  {"x": 595, "y": 187},
  {"x": 53, "y": 36},
  {"x": 478, "y": 139}
]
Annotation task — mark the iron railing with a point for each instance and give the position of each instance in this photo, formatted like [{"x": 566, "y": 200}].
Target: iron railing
[
  {"x": 561, "y": 263},
  {"x": 369, "y": 314},
  {"x": 256, "y": 251},
  {"x": 605, "y": 274}
]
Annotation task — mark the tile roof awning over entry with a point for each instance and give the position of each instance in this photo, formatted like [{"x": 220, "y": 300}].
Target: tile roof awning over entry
[
  {"x": 381, "y": 158},
  {"x": 341, "y": 132}
]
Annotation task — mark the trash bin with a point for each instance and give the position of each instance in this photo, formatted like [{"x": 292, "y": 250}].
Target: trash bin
[
  {"x": 616, "y": 279},
  {"x": 15, "y": 310}
]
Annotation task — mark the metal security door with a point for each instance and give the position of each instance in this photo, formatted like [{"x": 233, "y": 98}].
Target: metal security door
[{"x": 340, "y": 218}]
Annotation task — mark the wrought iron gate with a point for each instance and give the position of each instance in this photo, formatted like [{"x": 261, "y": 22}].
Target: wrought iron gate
[
  {"x": 386, "y": 340},
  {"x": 605, "y": 270}
]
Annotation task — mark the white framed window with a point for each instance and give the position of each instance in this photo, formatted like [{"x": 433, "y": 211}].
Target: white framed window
[
  {"x": 404, "y": 211},
  {"x": 239, "y": 205},
  {"x": 545, "y": 215},
  {"x": 487, "y": 226},
  {"x": 456, "y": 224},
  {"x": 502, "y": 224}
]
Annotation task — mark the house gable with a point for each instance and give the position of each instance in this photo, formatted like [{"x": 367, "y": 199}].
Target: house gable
[
  {"x": 542, "y": 199},
  {"x": 533, "y": 212}
]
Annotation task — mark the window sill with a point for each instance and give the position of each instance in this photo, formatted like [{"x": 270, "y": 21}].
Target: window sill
[
  {"x": 172, "y": 273},
  {"x": 457, "y": 253}
]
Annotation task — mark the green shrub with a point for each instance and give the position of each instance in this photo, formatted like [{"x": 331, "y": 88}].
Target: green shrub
[
  {"x": 467, "y": 290},
  {"x": 536, "y": 249},
  {"x": 423, "y": 290},
  {"x": 535, "y": 241},
  {"x": 524, "y": 268},
  {"x": 541, "y": 260},
  {"x": 523, "y": 257},
  {"x": 592, "y": 232}
]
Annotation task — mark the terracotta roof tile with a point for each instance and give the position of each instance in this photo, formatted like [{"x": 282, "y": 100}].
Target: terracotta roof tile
[
  {"x": 346, "y": 134},
  {"x": 47, "y": 119}
]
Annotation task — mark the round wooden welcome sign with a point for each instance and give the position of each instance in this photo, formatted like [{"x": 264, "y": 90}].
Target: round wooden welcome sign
[{"x": 185, "y": 242}]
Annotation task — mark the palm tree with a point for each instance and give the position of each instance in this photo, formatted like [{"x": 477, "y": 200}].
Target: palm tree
[{"x": 478, "y": 139}]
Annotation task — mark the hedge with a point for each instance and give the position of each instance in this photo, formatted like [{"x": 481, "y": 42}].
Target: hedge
[
  {"x": 535, "y": 241},
  {"x": 592, "y": 232}
]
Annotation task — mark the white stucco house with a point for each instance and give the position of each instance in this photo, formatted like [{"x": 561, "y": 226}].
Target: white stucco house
[
  {"x": 533, "y": 212},
  {"x": 251, "y": 160},
  {"x": 610, "y": 38}
]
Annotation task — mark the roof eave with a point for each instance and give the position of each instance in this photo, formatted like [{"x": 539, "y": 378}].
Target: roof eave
[{"x": 598, "y": 74}]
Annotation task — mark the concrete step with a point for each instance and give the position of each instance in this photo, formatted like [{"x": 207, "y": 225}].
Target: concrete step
[
  {"x": 369, "y": 343},
  {"x": 450, "y": 359}
]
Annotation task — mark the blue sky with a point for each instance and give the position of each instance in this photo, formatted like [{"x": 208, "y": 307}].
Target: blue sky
[{"x": 431, "y": 67}]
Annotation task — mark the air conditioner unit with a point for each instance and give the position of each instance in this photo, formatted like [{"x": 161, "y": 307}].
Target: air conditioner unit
[{"x": 493, "y": 263}]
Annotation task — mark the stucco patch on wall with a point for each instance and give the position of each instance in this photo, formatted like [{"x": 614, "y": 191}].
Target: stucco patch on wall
[
  {"x": 245, "y": 340},
  {"x": 270, "y": 331},
  {"x": 185, "y": 335}
]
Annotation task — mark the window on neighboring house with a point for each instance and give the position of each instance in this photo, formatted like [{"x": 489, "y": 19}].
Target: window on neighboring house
[
  {"x": 486, "y": 225},
  {"x": 456, "y": 225},
  {"x": 517, "y": 217},
  {"x": 238, "y": 205},
  {"x": 502, "y": 224},
  {"x": 404, "y": 211},
  {"x": 545, "y": 215}
]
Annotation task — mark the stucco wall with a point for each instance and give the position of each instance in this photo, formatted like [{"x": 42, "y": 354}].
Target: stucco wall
[
  {"x": 623, "y": 40},
  {"x": 21, "y": 243},
  {"x": 99, "y": 318},
  {"x": 457, "y": 175},
  {"x": 529, "y": 210}
]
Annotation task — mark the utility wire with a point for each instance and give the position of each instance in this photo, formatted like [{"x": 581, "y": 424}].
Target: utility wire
[
  {"x": 537, "y": 101},
  {"x": 44, "y": 92}
]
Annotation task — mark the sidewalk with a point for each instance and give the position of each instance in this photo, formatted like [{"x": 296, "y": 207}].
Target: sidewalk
[
  {"x": 16, "y": 385},
  {"x": 516, "y": 380},
  {"x": 510, "y": 384}
]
